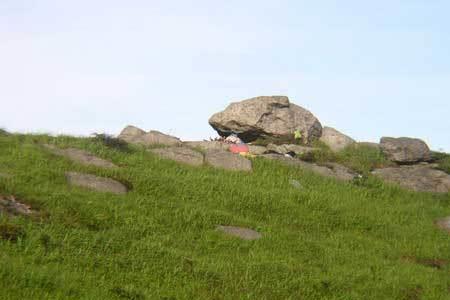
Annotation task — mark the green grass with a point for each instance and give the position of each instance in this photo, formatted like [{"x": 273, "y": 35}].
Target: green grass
[
  {"x": 443, "y": 161},
  {"x": 328, "y": 240},
  {"x": 360, "y": 158}
]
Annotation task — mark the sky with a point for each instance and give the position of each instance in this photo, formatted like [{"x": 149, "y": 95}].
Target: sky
[{"x": 367, "y": 68}]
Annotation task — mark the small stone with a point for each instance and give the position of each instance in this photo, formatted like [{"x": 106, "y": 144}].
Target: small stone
[
  {"x": 444, "y": 224},
  {"x": 93, "y": 182},
  {"x": 296, "y": 184},
  {"x": 11, "y": 206},
  {"x": 240, "y": 232}
]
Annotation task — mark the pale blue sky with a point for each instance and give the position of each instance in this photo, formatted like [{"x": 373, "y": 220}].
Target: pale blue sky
[{"x": 367, "y": 68}]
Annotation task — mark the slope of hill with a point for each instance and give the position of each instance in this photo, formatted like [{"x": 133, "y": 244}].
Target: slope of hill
[{"x": 321, "y": 239}]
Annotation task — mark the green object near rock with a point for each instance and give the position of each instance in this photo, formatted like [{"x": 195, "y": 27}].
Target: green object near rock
[{"x": 297, "y": 134}]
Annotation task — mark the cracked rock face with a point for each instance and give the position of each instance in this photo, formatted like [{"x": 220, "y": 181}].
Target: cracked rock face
[
  {"x": 267, "y": 117},
  {"x": 405, "y": 150}
]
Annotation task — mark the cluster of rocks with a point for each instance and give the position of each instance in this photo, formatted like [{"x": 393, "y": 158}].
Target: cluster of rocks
[{"x": 273, "y": 121}]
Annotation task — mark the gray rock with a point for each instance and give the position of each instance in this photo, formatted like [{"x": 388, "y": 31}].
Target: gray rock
[
  {"x": 100, "y": 184},
  {"x": 334, "y": 139},
  {"x": 5, "y": 175},
  {"x": 228, "y": 161},
  {"x": 207, "y": 145},
  {"x": 134, "y": 135},
  {"x": 444, "y": 224},
  {"x": 240, "y": 232},
  {"x": 131, "y": 134},
  {"x": 180, "y": 154},
  {"x": 268, "y": 117},
  {"x": 331, "y": 170},
  {"x": 257, "y": 150},
  {"x": 296, "y": 184},
  {"x": 11, "y": 206},
  {"x": 80, "y": 156},
  {"x": 405, "y": 150},
  {"x": 290, "y": 148},
  {"x": 421, "y": 178}
]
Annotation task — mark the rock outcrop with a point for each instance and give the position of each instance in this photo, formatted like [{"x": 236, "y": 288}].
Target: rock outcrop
[
  {"x": 271, "y": 117},
  {"x": 180, "y": 154},
  {"x": 207, "y": 145},
  {"x": 405, "y": 150},
  {"x": 80, "y": 156},
  {"x": 421, "y": 178},
  {"x": 332, "y": 170},
  {"x": 134, "y": 135},
  {"x": 228, "y": 161},
  {"x": 93, "y": 182},
  {"x": 334, "y": 139},
  {"x": 289, "y": 149}
]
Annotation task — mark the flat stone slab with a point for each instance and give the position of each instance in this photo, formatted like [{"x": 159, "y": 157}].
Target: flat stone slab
[
  {"x": 80, "y": 156},
  {"x": 420, "y": 178},
  {"x": 444, "y": 224},
  {"x": 331, "y": 170},
  {"x": 290, "y": 148},
  {"x": 93, "y": 182},
  {"x": 180, "y": 154},
  {"x": 240, "y": 232},
  {"x": 228, "y": 161},
  {"x": 11, "y": 206},
  {"x": 257, "y": 150},
  {"x": 208, "y": 145}
]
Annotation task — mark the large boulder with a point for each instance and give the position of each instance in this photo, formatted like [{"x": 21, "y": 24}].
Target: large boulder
[
  {"x": 134, "y": 135},
  {"x": 422, "y": 178},
  {"x": 405, "y": 150},
  {"x": 228, "y": 161},
  {"x": 334, "y": 139},
  {"x": 180, "y": 154},
  {"x": 271, "y": 117}
]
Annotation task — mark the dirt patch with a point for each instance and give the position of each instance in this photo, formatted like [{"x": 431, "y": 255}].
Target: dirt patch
[
  {"x": 11, "y": 232},
  {"x": 13, "y": 207},
  {"x": 427, "y": 262}
]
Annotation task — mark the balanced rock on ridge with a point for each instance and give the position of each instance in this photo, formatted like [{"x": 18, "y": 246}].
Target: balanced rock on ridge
[
  {"x": 267, "y": 117},
  {"x": 334, "y": 139},
  {"x": 405, "y": 150}
]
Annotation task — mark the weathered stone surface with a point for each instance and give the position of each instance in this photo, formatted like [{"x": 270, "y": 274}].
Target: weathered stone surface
[
  {"x": 180, "y": 154},
  {"x": 134, "y": 135},
  {"x": 100, "y": 184},
  {"x": 228, "y": 161},
  {"x": 444, "y": 224},
  {"x": 131, "y": 134},
  {"x": 240, "y": 232},
  {"x": 158, "y": 138},
  {"x": 266, "y": 116},
  {"x": 208, "y": 145},
  {"x": 257, "y": 150},
  {"x": 421, "y": 178},
  {"x": 405, "y": 150},
  {"x": 334, "y": 139},
  {"x": 81, "y": 156},
  {"x": 332, "y": 170},
  {"x": 296, "y": 184},
  {"x": 290, "y": 148},
  {"x": 11, "y": 206}
]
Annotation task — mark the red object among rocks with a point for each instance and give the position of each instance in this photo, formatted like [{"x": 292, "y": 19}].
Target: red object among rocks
[{"x": 239, "y": 148}]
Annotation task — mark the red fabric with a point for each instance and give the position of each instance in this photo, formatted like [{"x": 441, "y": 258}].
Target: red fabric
[{"x": 239, "y": 148}]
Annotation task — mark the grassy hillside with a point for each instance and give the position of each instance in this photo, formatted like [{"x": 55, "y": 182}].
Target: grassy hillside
[{"x": 327, "y": 240}]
